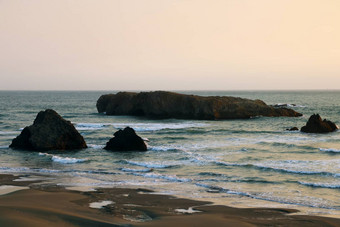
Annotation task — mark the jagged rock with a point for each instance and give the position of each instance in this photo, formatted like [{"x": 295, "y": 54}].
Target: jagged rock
[
  {"x": 49, "y": 132},
  {"x": 162, "y": 104},
  {"x": 293, "y": 129},
  {"x": 126, "y": 140},
  {"x": 315, "y": 124}
]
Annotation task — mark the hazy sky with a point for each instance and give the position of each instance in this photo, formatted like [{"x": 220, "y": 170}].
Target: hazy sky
[{"x": 169, "y": 44}]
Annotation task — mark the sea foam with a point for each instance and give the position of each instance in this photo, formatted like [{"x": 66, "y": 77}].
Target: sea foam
[
  {"x": 288, "y": 105},
  {"x": 67, "y": 160},
  {"x": 95, "y": 146},
  {"x": 9, "y": 132},
  {"x": 90, "y": 126},
  {"x": 320, "y": 185},
  {"x": 171, "y": 178},
  {"x": 149, "y": 164},
  {"x": 140, "y": 127},
  {"x": 63, "y": 160},
  {"x": 101, "y": 204},
  {"x": 135, "y": 170},
  {"x": 330, "y": 150},
  {"x": 289, "y": 166}
]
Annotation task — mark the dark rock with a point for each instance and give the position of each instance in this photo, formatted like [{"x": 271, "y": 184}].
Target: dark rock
[
  {"x": 162, "y": 104},
  {"x": 293, "y": 129},
  {"x": 315, "y": 124},
  {"x": 49, "y": 132},
  {"x": 126, "y": 140}
]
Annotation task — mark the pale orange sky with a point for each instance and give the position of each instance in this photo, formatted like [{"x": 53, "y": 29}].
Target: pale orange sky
[{"x": 169, "y": 44}]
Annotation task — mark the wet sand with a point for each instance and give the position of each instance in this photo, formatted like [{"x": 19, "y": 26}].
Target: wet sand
[{"x": 43, "y": 204}]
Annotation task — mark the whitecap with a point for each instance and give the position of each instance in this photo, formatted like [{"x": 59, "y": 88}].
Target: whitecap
[
  {"x": 63, "y": 160},
  {"x": 14, "y": 169},
  {"x": 229, "y": 164},
  {"x": 140, "y": 127},
  {"x": 66, "y": 160},
  {"x": 171, "y": 178},
  {"x": 312, "y": 202},
  {"x": 90, "y": 126},
  {"x": 309, "y": 167},
  {"x": 290, "y": 166},
  {"x": 330, "y": 150},
  {"x": 162, "y": 148},
  {"x": 135, "y": 170},
  {"x": 320, "y": 185},
  {"x": 288, "y": 105},
  {"x": 150, "y": 164},
  {"x": 9, "y": 132},
  {"x": 95, "y": 146},
  {"x": 32, "y": 170},
  {"x": 293, "y": 170},
  {"x": 86, "y": 129}
]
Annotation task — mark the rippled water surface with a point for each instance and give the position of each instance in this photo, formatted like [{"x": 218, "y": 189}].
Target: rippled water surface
[{"x": 253, "y": 162}]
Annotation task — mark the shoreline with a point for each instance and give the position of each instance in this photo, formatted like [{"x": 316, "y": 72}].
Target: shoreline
[{"x": 35, "y": 203}]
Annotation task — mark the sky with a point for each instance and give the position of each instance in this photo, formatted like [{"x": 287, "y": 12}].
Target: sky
[{"x": 169, "y": 44}]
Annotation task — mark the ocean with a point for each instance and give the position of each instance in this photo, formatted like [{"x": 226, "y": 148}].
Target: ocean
[{"x": 242, "y": 163}]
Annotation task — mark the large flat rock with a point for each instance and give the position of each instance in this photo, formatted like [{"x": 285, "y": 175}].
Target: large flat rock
[{"x": 163, "y": 104}]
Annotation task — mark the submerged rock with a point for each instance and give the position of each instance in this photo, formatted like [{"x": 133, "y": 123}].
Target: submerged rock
[
  {"x": 49, "y": 132},
  {"x": 126, "y": 140},
  {"x": 315, "y": 124},
  {"x": 293, "y": 129},
  {"x": 162, "y": 104}
]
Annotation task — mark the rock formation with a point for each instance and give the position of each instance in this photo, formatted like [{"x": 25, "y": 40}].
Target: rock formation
[
  {"x": 162, "y": 104},
  {"x": 126, "y": 140},
  {"x": 315, "y": 124},
  {"x": 49, "y": 132}
]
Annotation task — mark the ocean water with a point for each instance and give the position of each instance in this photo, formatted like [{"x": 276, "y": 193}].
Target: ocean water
[{"x": 242, "y": 163}]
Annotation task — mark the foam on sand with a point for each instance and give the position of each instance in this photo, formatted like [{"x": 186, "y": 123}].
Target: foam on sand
[
  {"x": 190, "y": 210},
  {"x": 101, "y": 204}
]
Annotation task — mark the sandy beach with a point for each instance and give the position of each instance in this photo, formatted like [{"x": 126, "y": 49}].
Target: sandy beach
[{"x": 34, "y": 203}]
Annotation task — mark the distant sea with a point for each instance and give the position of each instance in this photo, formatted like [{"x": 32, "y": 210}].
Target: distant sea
[{"x": 241, "y": 163}]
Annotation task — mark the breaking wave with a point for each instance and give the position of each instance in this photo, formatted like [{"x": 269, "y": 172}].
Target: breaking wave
[{"x": 63, "y": 160}]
